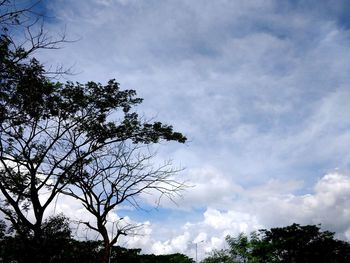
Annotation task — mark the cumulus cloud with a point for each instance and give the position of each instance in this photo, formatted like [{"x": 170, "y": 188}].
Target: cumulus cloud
[
  {"x": 260, "y": 88},
  {"x": 269, "y": 205},
  {"x": 274, "y": 203}
]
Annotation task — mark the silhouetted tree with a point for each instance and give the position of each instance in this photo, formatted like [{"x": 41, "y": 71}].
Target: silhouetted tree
[
  {"x": 294, "y": 243},
  {"x": 56, "y": 237},
  {"x": 119, "y": 174},
  {"x": 171, "y": 258},
  {"x": 49, "y": 131},
  {"x": 218, "y": 256},
  {"x": 120, "y": 254},
  {"x": 297, "y": 243}
]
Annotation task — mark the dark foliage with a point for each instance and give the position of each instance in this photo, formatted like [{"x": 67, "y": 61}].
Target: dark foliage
[
  {"x": 297, "y": 243},
  {"x": 291, "y": 244},
  {"x": 172, "y": 258},
  {"x": 63, "y": 249},
  {"x": 55, "y": 240}
]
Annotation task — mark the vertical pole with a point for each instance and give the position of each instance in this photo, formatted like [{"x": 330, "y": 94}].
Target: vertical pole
[
  {"x": 110, "y": 249},
  {"x": 196, "y": 244}
]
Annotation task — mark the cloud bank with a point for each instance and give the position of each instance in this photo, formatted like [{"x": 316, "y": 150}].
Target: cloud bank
[{"x": 272, "y": 204}]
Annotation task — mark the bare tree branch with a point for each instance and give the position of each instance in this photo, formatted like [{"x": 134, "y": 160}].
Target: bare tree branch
[{"x": 121, "y": 173}]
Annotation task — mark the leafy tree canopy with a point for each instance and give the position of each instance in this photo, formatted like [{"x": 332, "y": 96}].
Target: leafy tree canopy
[{"x": 294, "y": 243}]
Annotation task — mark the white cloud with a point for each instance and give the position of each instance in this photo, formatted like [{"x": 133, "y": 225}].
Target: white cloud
[
  {"x": 269, "y": 205},
  {"x": 272, "y": 204},
  {"x": 229, "y": 220},
  {"x": 259, "y": 87},
  {"x": 329, "y": 196},
  {"x": 206, "y": 186}
]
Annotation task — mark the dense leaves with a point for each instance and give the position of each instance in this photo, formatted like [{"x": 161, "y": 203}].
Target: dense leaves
[
  {"x": 297, "y": 243},
  {"x": 56, "y": 236},
  {"x": 60, "y": 247},
  {"x": 294, "y": 243}
]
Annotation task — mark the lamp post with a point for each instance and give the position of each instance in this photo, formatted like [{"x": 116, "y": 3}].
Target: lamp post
[
  {"x": 196, "y": 244},
  {"x": 110, "y": 249}
]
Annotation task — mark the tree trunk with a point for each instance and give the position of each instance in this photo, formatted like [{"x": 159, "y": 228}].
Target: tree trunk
[
  {"x": 106, "y": 252},
  {"x": 38, "y": 250},
  {"x": 106, "y": 243}
]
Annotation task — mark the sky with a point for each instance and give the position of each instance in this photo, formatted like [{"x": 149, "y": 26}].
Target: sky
[{"x": 259, "y": 87}]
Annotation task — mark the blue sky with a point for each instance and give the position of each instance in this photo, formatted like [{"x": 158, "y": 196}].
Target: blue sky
[{"x": 260, "y": 88}]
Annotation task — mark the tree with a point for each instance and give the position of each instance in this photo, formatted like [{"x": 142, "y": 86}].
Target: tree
[
  {"x": 294, "y": 243},
  {"x": 120, "y": 254},
  {"x": 56, "y": 238},
  {"x": 297, "y": 243},
  {"x": 218, "y": 256},
  {"x": 50, "y": 130},
  {"x": 240, "y": 248},
  {"x": 119, "y": 174},
  {"x": 171, "y": 258}
]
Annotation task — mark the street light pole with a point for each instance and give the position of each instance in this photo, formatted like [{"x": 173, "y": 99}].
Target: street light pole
[
  {"x": 196, "y": 244},
  {"x": 196, "y": 252},
  {"x": 110, "y": 249}
]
